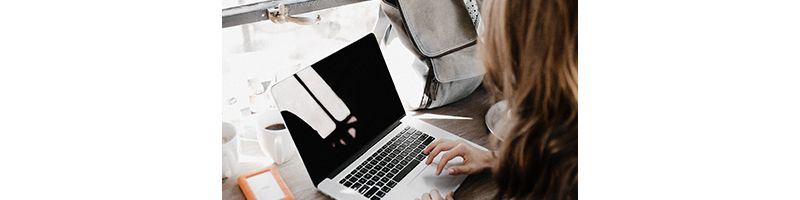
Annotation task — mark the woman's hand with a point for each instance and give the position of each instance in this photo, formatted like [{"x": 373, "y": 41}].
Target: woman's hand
[
  {"x": 434, "y": 195},
  {"x": 475, "y": 160}
]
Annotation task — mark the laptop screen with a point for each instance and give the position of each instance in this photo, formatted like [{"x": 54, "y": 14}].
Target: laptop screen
[{"x": 335, "y": 107}]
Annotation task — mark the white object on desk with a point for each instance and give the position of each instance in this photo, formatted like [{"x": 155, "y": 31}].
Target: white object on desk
[
  {"x": 249, "y": 149},
  {"x": 264, "y": 186},
  {"x": 275, "y": 143},
  {"x": 496, "y": 117},
  {"x": 230, "y": 154}
]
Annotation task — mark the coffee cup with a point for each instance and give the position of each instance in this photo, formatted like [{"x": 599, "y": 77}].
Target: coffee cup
[
  {"x": 273, "y": 137},
  {"x": 230, "y": 156}
]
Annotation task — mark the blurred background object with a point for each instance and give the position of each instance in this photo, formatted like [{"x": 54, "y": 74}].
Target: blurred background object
[{"x": 255, "y": 55}]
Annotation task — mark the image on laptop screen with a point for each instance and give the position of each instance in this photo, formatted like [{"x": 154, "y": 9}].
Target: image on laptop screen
[{"x": 336, "y": 106}]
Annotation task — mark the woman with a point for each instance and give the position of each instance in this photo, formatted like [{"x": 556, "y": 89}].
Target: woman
[{"x": 530, "y": 50}]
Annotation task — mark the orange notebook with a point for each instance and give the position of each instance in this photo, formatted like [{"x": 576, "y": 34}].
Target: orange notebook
[{"x": 264, "y": 184}]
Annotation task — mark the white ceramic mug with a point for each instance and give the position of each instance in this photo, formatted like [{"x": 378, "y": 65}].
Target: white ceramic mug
[
  {"x": 273, "y": 136},
  {"x": 230, "y": 156}
]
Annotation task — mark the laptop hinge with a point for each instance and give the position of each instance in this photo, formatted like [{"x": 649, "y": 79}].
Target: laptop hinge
[{"x": 363, "y": 150}]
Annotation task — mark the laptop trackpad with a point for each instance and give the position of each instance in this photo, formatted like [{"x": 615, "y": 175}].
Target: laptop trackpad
[{"x": 427, "y": 180}]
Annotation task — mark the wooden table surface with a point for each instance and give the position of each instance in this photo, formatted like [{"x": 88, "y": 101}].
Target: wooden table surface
[{"x": 467, "y": 122}]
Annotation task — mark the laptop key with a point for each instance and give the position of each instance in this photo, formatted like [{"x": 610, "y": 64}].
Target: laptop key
[
  {"x": 405, "y": 171},
  {"x": 386, "y": 188},
  {"x": 371, "y": 191},
  {"x": 364, "y": 189},
  {"x": 428, "y": 141},
  {"x": 380, "y": 194},
  {"x": 382, "y": 169}
]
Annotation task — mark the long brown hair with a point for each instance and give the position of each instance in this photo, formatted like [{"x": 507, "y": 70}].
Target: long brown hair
[{"x": 530, "y": 50}]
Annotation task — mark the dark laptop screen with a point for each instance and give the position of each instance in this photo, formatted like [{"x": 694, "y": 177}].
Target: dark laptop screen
[{"x": 360, "y": 78}]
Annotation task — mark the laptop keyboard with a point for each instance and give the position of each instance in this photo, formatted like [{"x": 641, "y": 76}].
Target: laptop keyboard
[{"x": 394, "y": 160}]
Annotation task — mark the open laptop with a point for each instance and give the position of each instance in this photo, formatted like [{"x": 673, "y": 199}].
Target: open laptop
[{"x": 352, "y": 133}]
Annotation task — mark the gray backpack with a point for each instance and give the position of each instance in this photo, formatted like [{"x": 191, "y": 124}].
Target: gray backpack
[{"x": 442, "y": 36}]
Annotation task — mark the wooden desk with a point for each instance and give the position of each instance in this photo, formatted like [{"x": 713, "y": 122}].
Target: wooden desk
[{"x": 476, "y": 186}]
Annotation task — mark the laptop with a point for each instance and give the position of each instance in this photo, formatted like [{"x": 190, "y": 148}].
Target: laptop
[{"x": 351, "y": 132}]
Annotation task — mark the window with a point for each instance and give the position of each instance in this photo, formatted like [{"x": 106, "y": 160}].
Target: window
[{"x": 257, "y": 52}]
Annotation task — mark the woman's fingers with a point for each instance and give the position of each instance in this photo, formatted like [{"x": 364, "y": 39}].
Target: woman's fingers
[
  {"x": 434, "y": 194},
  {"x": 457, "y": 151},
  {"x": 461, "y": 169},
  {"x": 426, "y": 196},
  {"x": 431, "y": 145},
  {"x": 439, "y": 148}
]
